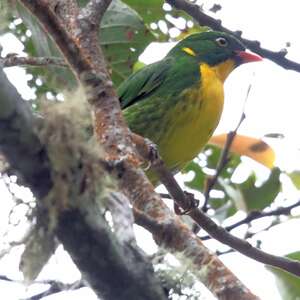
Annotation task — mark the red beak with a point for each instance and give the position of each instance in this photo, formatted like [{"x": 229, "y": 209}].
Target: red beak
[{"x": 248, "y": 56}]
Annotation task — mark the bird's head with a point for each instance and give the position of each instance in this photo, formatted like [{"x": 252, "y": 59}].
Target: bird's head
[{"x": 214, "y": 48}]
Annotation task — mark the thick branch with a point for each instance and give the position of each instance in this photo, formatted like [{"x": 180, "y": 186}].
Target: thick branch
[
  {"x": 18, "y": 141},
  {"x": 112, "y": 271},
  {"x": 171, "y": 233},
  {"x": 195, "y": 11},
  {"x": 109, "y": 259},
  {"x": 94, "y": 248}
]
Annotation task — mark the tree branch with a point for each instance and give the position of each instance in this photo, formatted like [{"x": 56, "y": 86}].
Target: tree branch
[
  {"x": 94, "y": 10},
  {"x": 218, "y": 232},
  {"x": 222, "y": 162},
  {"x": 57, "y": 287},
  {"x": 204, "y": 20},
  {"x": 14, "y": 60},
  {"x": 102, "y": 261},
  {"x": 255, "y": 215},
  {"x": 18, "y": 141}
]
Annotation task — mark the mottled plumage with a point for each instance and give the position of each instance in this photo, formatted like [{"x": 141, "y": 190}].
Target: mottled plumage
[{"x": 177, "y": 102}]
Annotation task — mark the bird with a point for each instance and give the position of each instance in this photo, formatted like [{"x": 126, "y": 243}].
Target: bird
[{"x": 177, "y": 102}]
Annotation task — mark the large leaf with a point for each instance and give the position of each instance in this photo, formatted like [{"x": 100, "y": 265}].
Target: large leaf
[
  {"x": 222, "y": 202},
  {"x": 254, "y": 148},
  {"x": 258, "y": 198},
  {"x": 5, "y": 15},
  {"x": 213, "y": 154},
  {"x": 123, "y": 33},
  {"x": 295, "y": 177},
  {"x": 124, "y": 36},
  {"x": 198, "y": 180},
  {"x": 288, "y": 284},
  {"x": 151, "y": 10},
  {"x": 212, "y": 157}
]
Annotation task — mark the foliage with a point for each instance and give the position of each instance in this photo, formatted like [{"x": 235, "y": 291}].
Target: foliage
[{"x": 288, "y": 285}]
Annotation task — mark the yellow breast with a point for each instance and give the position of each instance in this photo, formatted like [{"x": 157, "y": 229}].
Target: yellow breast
[{"x": 195, "y": 117}]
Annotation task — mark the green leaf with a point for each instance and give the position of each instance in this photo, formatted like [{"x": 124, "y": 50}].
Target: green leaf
[
  {"x": 151, "y": 10},
  {"x": 197, "y": 183},
  {"x": 5, "y": 15},
  {"x": 288, "y": 285},
  {"x": 257, "y": 198},
  {"x": 213, "y": 154},
  {"x": 124, "y": 37},
  {"x": 295, "y": 177},
  {"x": 225, "y": 211},
  {"x": 234, "y": 194}
]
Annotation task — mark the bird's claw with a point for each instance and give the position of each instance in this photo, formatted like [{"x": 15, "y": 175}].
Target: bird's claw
[
  {"x": 191, "y": 204},
  {"x": 152, "y": 148}
]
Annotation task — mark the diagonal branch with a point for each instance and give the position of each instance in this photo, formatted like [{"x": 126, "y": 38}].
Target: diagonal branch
[
  {"x": 82, "y": 236},
  {"x": 18, "y": 141},
  {"x": 218, "y": 232},
  {"x": 203, "y": 19}
]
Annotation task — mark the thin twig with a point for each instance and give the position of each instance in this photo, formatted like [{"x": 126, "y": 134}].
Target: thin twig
[
  {"x": 14, "y": 60},
  {"x": 255, "y": 215},
  {"x": 224, "y": 159},
  {"x": 203, "y": 19},
  {"x": 249, "y": 235},
  {"x": 56, "y": 287}
]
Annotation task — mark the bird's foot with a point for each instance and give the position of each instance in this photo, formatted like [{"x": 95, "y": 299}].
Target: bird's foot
[
  {"x": 191, "y": 203},
  {"x": 152, "y": 149},
  {"x": 147, "y": 150}
]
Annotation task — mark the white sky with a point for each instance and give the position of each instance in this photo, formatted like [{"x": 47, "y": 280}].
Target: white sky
[{"x": 273, "y": 106}]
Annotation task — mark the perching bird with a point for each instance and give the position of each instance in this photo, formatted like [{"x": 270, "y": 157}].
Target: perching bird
[{"x": 177, "y": 102}]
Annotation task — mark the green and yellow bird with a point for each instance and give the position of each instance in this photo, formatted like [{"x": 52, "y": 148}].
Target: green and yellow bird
[{"x": 177, "y": 102}]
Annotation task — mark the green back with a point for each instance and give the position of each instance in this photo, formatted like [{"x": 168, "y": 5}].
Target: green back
[{"x": 168, "y": 77}]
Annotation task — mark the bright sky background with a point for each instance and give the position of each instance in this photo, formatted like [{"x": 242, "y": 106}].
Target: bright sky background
[{"x": 273, "y": 106}]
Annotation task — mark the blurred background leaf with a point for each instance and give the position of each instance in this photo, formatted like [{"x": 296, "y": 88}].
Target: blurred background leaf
[{"x": 288, "y": 285}]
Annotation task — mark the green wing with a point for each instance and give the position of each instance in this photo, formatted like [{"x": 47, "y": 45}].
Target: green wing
[
  {"x": 167, "y": 77},
  {"x": 144, "y": 82}
]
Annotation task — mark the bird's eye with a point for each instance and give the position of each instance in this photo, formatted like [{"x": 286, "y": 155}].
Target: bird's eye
[{"x": 222, "y": 41}]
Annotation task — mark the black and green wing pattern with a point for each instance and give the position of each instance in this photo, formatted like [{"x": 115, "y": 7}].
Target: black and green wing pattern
[
  {"x": 143, "y": 83},
  {"x": 162, "y": 79}
]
